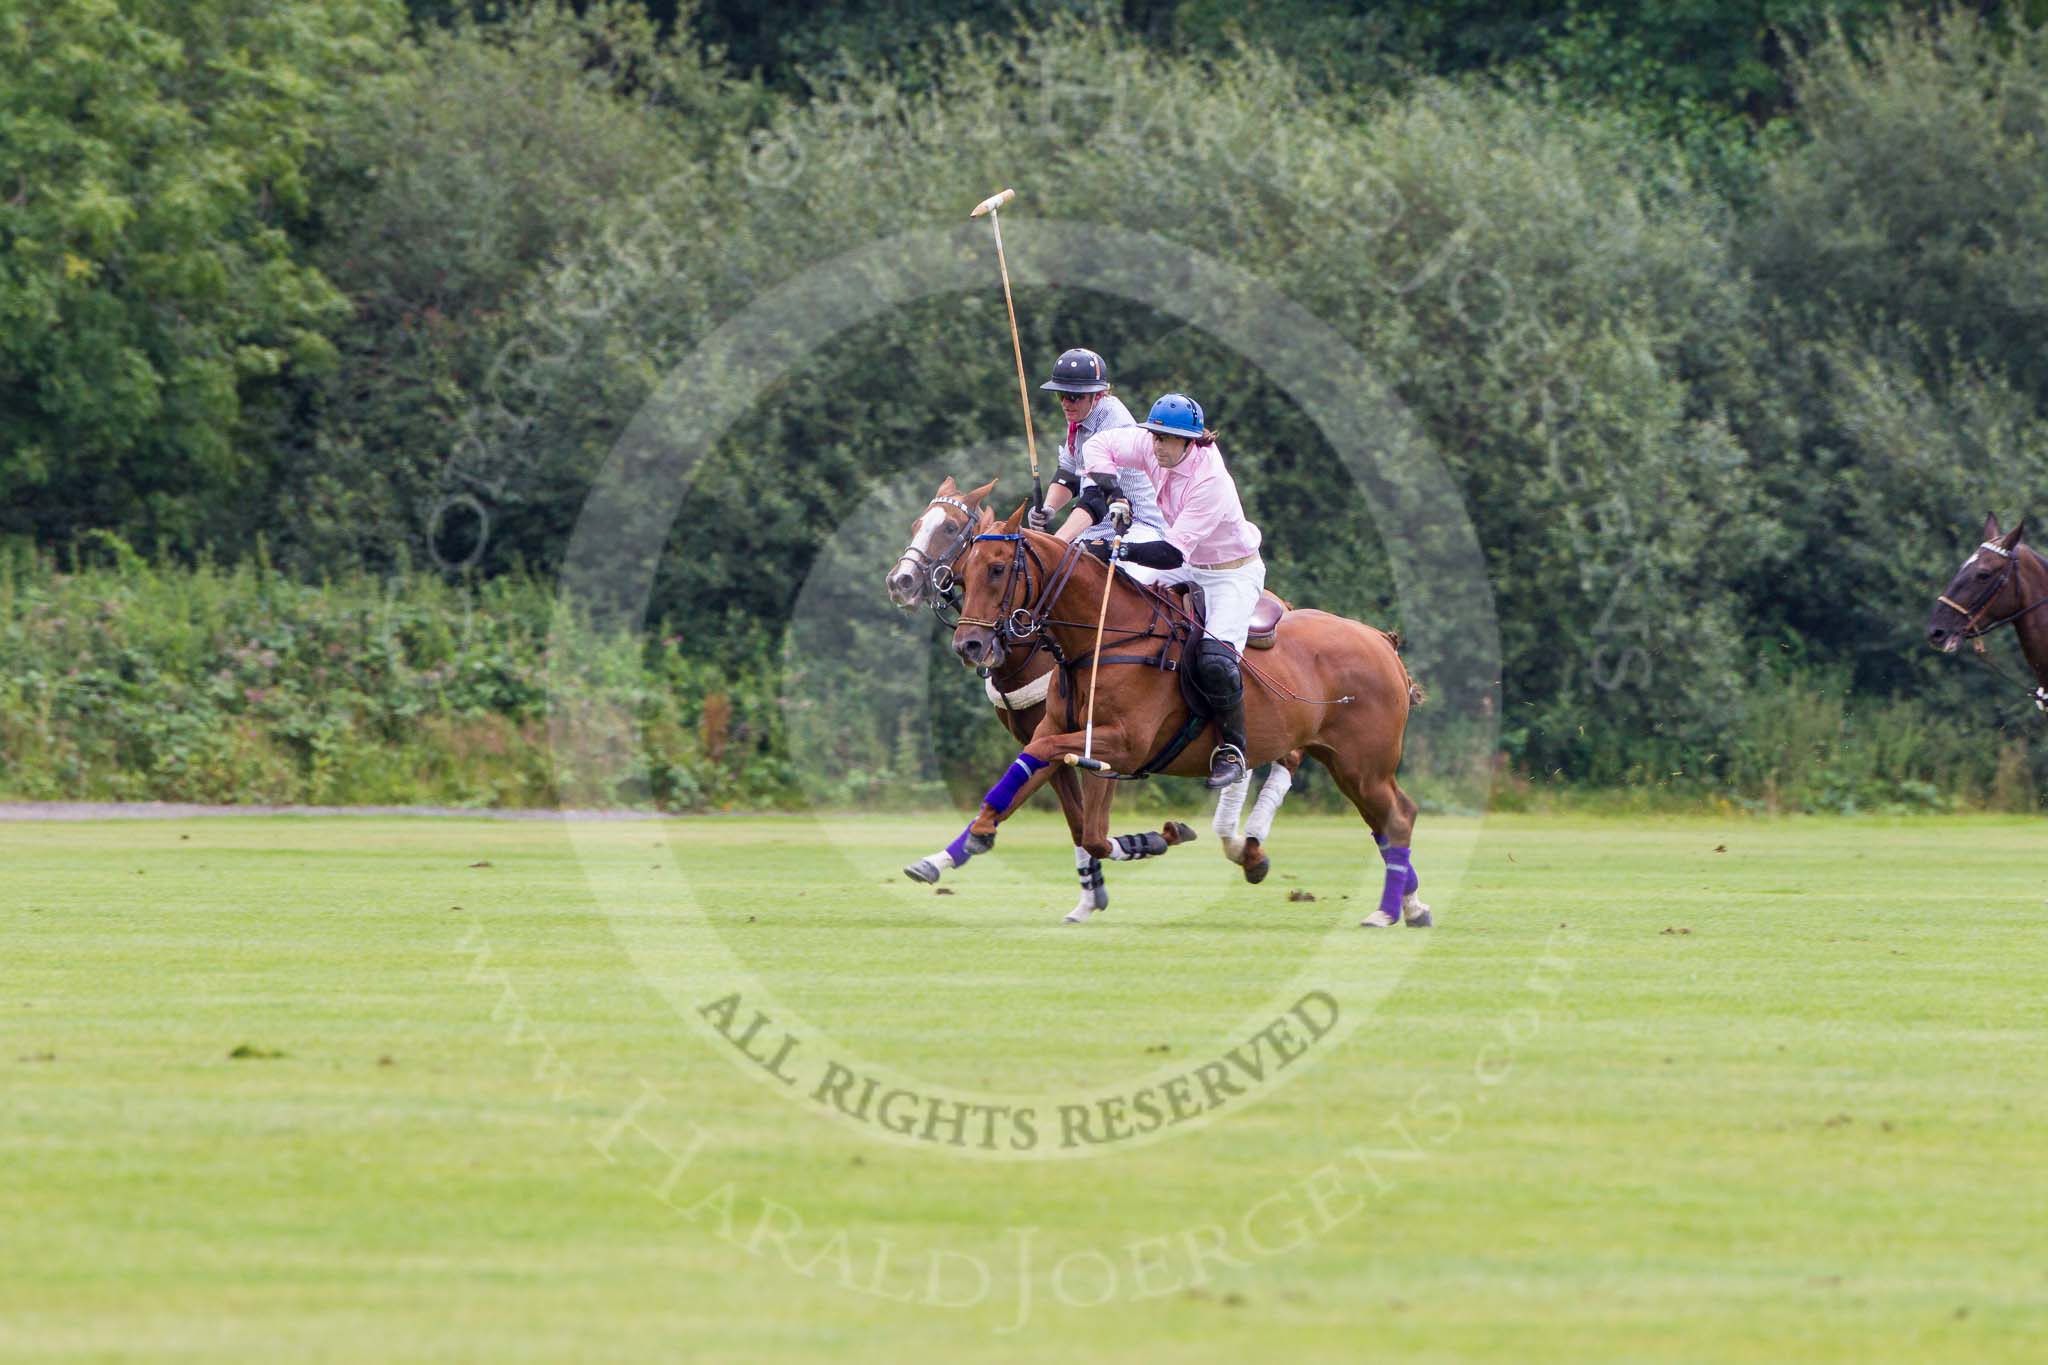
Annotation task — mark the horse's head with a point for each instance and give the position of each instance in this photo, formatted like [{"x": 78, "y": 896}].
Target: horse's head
[
  {"x": 937, "y": 540},
  {"x": 1980, "y": 590},
  {"x": 996, "y": 581}
]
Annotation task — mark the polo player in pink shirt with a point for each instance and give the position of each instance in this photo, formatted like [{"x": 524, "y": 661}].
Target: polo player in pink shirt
[{"x": 1218, "y": 548}]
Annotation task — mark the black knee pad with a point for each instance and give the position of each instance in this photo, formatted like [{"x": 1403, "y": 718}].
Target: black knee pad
[{"x": 1217, "y": 676}]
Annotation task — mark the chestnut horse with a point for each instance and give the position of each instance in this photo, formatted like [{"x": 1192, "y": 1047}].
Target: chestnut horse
[
  {"x": 2003, "y": 581},
  {"x": 1332, "y": 686},
  {"x": 1016, "y": 685}
]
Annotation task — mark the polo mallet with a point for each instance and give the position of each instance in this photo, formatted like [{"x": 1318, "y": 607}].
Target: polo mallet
[
  {"x": 1086, "y": 758},
  {"x": 995, "y": 220}
]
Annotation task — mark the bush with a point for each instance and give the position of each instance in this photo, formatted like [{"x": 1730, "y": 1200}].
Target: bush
[
  {"x": 119, "y": 681},
  {"x": 1920, "y": 193}
]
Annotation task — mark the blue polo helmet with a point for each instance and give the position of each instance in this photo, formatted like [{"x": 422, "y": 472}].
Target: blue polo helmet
[{"x": 1176, "y": 414}]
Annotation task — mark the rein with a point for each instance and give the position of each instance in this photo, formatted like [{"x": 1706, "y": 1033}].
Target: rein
[{"x": 1014, "y": 626}]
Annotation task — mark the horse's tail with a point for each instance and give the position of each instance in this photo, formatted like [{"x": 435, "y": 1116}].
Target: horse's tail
[{"x": 1416, "y": 696}]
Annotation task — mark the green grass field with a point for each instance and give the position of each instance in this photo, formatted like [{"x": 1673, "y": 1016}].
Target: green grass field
[{"x": 1634, "y": 1098}]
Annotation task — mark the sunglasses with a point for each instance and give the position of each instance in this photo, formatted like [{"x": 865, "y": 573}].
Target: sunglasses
[{"x": 1076, "y": 397}]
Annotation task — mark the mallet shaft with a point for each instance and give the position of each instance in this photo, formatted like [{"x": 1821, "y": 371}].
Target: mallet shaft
[
  {"x": 1116, "y": 547},
  {"x": 1016, "y": 348}
]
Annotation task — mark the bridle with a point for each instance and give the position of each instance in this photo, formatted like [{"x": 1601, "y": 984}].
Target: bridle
[
  {"x": 1972, "y": 628},
  {"x": 1017, "y": 625},
  {"x": 1974, "y": 631},
  {"x": 938, "y": 568}
]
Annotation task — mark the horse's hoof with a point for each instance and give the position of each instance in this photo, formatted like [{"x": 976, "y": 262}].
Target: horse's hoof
[
  {"x": 1176, "y": 833},
  {"x": 1415, "y": 914},
  {"x": 1379, "y": 919},
  {"x": 1421, "y": 921},
  {"x": 1081, "y": 914},
  {"x": 923, "y": 870},
  {"x": 1256, "y": 872}
]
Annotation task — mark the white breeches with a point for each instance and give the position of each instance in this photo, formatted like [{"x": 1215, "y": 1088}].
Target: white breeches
[{"x": 1231, "y": 594}]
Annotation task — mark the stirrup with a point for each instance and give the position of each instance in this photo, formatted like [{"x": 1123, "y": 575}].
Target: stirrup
[{"x": 1226, "y": 767}]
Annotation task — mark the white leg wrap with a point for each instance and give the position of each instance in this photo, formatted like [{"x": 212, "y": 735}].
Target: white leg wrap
[
  {"x": 1082, "y": 857},
  {"x": 1259, "y": 824},
  {"x": 1229, "y": 804}
]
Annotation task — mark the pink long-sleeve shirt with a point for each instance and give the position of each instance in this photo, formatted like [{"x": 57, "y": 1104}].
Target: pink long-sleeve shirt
[{"x": 1204, "y": 519}]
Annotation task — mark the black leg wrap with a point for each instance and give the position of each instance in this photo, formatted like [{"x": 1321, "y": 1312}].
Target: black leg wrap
[
  {"x": 1091, "y": 875},
  {"x": 1148, "y": 845}
]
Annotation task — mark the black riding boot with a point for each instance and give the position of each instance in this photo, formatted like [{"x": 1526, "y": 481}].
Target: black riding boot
[
  {"x": 1226, "y": 763},
  {"x": 1223, "y": 689}
]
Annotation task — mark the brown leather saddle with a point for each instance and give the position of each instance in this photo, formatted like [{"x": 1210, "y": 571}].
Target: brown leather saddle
[{"x": 1266, "y": 615}]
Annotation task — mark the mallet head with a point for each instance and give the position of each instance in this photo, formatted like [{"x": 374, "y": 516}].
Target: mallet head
[{"x": 993, "y": 202}]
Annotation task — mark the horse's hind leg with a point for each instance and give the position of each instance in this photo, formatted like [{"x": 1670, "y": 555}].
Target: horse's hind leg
[
  {"x": 1391, "y": 814},
  {"x": 1399, "y": 902}
]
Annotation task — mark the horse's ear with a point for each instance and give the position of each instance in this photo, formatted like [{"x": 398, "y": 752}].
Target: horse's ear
[
  {"x": 948, "y": 488},
  {"x": 1991, "y": 531},
  {"x": 2012, "y": 537},
  {"x": 1015, "y": 519},
  {"x": 974, "y": 499}
]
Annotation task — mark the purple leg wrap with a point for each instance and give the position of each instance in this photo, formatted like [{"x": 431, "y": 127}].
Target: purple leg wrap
[
  {"x": 1004, "y": 792},
  {"x": 1401, "y": 879},
  {"x": 1413, "y": 880},
  {"x": 957, "y": 850}
]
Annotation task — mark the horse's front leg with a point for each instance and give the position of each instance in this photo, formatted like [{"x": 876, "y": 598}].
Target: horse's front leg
[
  {"x": 1258, "y": 826},
  {"x": 1086, "y": 806},
  {"x": 1029, "y": 771}
]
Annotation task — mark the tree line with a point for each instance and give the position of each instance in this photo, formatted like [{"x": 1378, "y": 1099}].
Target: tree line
[{"x": 1728, "y": 345}]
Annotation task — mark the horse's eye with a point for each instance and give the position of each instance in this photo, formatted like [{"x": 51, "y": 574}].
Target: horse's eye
[{"x": 1983, "y": 573}]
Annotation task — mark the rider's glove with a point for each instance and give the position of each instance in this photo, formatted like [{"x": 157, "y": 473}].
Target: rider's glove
[
  {"x": 1120, "y": 515},
  {"x": 1038, "y": 519}
]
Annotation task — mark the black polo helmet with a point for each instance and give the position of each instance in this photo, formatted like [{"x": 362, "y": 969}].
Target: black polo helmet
[{"x": 1078, "y": 371}]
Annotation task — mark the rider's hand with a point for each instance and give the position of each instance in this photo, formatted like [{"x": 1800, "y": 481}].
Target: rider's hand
[
  {"x": 1120, "y": 515},
  {"x": 1038, "y": 519}
]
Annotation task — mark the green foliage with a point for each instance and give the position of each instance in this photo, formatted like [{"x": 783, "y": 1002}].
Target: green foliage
[
  {"x": 1920, "y": 194},
  {"x": 1710, "y": 392},
  {"x": 1548, "y": 311},
  {"x": 454, "y": 178},
  {"x": 126, "y": 682},
  {"x": 153, "y": 168}
]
